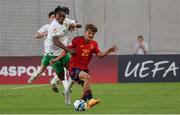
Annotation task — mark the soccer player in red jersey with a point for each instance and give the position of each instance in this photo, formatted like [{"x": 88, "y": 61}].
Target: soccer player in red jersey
[{"x": 85, "y": 47}]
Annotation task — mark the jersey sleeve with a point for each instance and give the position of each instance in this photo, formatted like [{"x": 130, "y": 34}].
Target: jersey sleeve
[
  {"x": 59, "y": 32},
  {"x": 44, "y": 28},
  {"x": 146, "y": 46},
  {"x": 73, "y": 43},
  {"x": 69, "y": 21},
  {"x": 96, "y": 49}
]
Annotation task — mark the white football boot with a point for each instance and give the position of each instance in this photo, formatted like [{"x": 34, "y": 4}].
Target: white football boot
[{"x": 53, "y": 84}]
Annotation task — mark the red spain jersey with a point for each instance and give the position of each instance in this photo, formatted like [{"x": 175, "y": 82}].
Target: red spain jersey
[{"x": 84, "y": 52}]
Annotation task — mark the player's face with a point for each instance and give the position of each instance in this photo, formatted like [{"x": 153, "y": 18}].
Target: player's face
[
  {"x": 89, "y": 35},
  {"x": 60, "y": 16},
  {"x": 140, "y": 40}
]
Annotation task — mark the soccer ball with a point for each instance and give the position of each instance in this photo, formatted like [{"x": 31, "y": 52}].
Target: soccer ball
[{"x": 80, "y": 105}]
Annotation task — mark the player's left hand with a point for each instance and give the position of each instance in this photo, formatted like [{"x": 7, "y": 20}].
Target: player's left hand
[
  {"x": 113, "y": 48},
  {"x": 72, "y": 27}
]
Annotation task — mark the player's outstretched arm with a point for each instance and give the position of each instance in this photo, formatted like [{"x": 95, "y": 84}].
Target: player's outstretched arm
[
  {"x": 78, "y": 25},
  {"x": 40, "y": 35},
  {"x": 73, "y": 26},
  {"x": 61, "y": 45},
  {"x": 63, "y": 53},
  {"x": 108, "y": 51}
]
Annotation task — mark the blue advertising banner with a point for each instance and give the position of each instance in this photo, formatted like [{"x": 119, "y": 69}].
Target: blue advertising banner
[{"x": 149, "y": 68}]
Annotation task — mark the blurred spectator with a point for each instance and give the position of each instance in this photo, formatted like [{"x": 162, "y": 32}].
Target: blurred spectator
[{"x": 141, "y": 48}]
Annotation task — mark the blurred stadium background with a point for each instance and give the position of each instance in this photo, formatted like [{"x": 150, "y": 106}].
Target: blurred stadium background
[{"x": 117, "y": 20}]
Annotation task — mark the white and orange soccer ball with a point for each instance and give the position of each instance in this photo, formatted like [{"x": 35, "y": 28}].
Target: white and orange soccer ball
[{"x": 80, "y": 105}]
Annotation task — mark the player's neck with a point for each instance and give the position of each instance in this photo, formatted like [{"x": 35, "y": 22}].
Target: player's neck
[{"x": 86, "y": 41}]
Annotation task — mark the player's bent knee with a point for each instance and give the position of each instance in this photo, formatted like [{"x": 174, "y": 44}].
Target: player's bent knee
[{"x": 84, "y": 77}]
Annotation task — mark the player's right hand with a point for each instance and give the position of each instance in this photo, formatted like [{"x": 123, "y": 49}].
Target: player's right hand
[
  {"x": 72, "y": 51},
  {"x": 52, "y": 61}
]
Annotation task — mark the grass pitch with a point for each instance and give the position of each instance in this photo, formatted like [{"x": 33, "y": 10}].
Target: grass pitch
[{"x": 122, "y": 98}]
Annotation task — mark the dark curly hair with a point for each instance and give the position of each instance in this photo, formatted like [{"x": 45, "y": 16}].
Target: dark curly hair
[{"x": 61, "y": 8}]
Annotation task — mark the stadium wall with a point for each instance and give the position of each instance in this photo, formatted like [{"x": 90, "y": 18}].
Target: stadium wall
[
  {"x": 149, "y": 68},
  {"x": 112, "y": 69},
  {"x": 123, "y": 20},
  {"x": 17, "y": 70}
]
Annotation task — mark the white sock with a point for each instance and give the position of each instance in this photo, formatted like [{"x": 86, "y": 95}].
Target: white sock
[
  {"x": 67, "y": 96},
  {"x": 36, "y": 73},
  {"x": 67, "y": 83},
  {"x": 33, "y": 76}
]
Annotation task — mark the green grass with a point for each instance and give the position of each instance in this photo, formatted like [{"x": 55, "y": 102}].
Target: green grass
[{"x": 124, "y": 98}]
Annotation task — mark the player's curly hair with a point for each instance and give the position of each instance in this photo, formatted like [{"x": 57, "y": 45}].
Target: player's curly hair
[
  {"x": 61, "y": 8},
  {"x": 91, "y": 27}
]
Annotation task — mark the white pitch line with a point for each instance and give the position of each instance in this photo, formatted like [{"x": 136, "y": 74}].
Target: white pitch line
[
  {"x": 29, "y": 86},
  {"x": 23, "y": 87}
]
